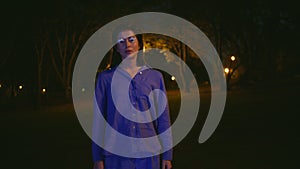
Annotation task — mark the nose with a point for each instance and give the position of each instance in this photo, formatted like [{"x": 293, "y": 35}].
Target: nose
[{"x": 127, "y": 43}]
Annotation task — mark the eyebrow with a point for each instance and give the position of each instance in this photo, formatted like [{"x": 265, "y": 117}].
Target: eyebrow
[{"x": 128, "y": 37}]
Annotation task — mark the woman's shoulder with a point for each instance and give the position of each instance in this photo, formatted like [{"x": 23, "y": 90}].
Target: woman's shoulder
[
  {"x": 153, "y": 71},
  {"x": 105, "y": 74}
]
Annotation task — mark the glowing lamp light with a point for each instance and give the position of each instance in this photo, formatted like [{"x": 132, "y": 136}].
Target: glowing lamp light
[
  {"x": 20, "y": 87},
  {"x": 232, "y": 58},
  {"x": 173, "y": 78},
  {"x": 44, "y": 90},
  {"x": 0, "y": 85},
  {"x": 226, "y": 70},
  {"x": 83, "y": 89}
]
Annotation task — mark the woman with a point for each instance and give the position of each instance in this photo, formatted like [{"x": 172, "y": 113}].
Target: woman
[{"x": 142, "y": 81}]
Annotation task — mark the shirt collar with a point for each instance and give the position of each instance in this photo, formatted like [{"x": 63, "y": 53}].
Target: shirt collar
[{"x": 123, "y": 72}]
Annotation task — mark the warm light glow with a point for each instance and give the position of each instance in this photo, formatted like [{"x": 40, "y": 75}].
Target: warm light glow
[
  {"x": 44, "y": 90},
  {"x": 83, "y": 89},
  {"x": 108, "y": 66},
  {"x": 226, "y": 70},
  {"x": 173, "y": 78},
  {"x": 232, "y": 58},
  {"x": 20, "y": 87},
  {"x": 0, "y": 85}
]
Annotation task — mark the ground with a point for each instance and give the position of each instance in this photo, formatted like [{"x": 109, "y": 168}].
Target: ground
[{"x": 259, "y": 130}]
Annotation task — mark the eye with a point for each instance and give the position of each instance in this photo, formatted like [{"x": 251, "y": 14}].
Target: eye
[
  {"x": 121, "y": 41},
  {"x": 131, "y": 39}
]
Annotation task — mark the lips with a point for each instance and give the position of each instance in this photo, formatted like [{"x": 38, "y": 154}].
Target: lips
[{"x": 129, "y": 51}]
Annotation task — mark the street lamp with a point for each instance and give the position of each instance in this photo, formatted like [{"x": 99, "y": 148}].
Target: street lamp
[
  {"x": 20, "y": 87},
  {"x": 173, "y": 78},
  {"x": 226, "y": 70},
  {"x": 232, "y": 58},
  {"x": 44, "y": 90}
]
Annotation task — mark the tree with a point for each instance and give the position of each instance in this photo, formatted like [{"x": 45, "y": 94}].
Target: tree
[
  {"x": 170, "y": 49},
  {"x": 67, "y": 40},
  {"x": 40, "y": 50}
]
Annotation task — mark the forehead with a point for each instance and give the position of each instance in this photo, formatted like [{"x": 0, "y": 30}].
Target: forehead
[{"x": 125, "y": 34}]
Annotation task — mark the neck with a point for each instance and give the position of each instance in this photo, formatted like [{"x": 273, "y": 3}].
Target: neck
[
  {"x": 130, "y": 66},
  {"x": 129, "y": 63}
]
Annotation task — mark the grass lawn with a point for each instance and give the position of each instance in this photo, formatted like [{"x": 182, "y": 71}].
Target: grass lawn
[{"x": 259, "y": 130}]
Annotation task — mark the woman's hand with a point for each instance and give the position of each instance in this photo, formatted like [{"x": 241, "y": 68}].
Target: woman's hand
[
  {"x": 166, "y": 164},
  {"x": 99, "y": 165}
]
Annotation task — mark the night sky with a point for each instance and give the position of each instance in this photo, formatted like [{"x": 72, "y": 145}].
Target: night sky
[{"x": 21, "y": 20}]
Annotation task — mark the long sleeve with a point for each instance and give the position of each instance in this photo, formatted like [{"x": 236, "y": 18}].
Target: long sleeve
[
  {"x": 164, "y": 123},
  {"x": 100, "y": 108}
]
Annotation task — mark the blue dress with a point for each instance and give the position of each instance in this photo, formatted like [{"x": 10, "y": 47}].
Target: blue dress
[{"x": 146, "y": 115}]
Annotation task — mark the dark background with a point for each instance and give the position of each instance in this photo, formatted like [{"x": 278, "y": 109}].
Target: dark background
[
  {"x": 259, "y": 128},
  {"x": 273, "y": 25}
]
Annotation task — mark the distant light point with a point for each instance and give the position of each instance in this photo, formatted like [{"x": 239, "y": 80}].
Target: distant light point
[
  {"x": 232, "y": 58},
  {"x": 226, "y": 70}
]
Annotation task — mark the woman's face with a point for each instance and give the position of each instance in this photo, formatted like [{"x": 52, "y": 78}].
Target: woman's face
[{"x": 127, "y": 44}]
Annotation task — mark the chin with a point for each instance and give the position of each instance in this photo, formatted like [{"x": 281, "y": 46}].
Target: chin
[{"x": 131, "y": 55}]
